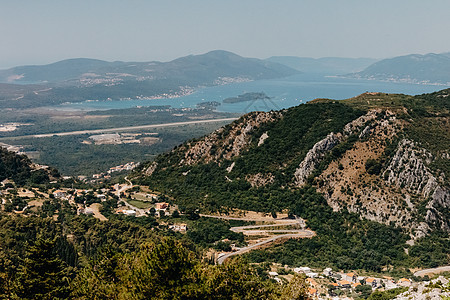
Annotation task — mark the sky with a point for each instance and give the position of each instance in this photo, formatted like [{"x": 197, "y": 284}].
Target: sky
[{"x": 45, "y": 31}]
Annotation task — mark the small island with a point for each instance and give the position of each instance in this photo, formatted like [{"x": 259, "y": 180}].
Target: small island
[
  {"x": 247, "y": 97},
  {"x": 208, "y": 105}
]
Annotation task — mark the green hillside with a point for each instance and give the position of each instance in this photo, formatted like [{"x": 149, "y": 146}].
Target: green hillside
[
  {"x": 414, "y": 68},
  {"x": 354, "y": 169}
]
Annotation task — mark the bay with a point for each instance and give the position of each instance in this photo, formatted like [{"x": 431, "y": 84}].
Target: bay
[{"x": 284, "y": 92}]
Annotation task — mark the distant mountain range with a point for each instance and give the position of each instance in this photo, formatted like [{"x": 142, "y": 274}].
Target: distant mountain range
[
  {"x": 325, "y": 65},
  {"x": 414, "y": 68},
  {"x": 81, "y": 79}
]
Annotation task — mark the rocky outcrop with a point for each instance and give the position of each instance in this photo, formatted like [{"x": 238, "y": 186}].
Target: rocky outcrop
[
  {"x": 259, "y": 180},
  {"x": 149, "y": 171},
  {"x": 263, "y": 137},
  {"x": 314, "y": 157},
  {"x": 435, "y": 289},
  {"x": 317, "y": 153},
  {"x": 357, "y": 124},
  {"x": 408, "y": 170},
  {"x": 227, "y": 142}
]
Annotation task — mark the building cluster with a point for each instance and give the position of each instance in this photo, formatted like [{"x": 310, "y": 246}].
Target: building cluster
[
  {"x": 347, "y": 282},
  {"x": 178, "y": 227},
  {"x": 107, "y": 175}
]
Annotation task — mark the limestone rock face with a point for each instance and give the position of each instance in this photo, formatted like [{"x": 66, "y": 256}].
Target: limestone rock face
[
  {"x": 318, "y": 151},
  {"x": 408, "y": 169},
  {"x": 226, "y": 143},
  {"x": 357, "y": 124},
  {"x": 149, "y": 171},
  {"x": 314, "y": 157}
]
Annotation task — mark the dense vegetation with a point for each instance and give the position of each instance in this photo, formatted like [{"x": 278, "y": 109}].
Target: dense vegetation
[
  {"x": 247, "y": 97},
  {"x": 18, "y": 168},
  {"x": 83, "y": 258}
]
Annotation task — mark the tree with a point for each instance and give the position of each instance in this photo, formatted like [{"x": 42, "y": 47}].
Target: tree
[
  {"x": 163, "y": 270},
  {"x": 101, "y": 278},
  {"x": 7, "y": 271},
  {"x": 237, "y": 280},
  {"x": 43, "y": 274},
  {"x": 297, "y": 289},
  {"x": 176, "y": 214}
]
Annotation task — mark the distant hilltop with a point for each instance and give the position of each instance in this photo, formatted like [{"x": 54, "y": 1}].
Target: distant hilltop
[{"x": 414, "y": 68}]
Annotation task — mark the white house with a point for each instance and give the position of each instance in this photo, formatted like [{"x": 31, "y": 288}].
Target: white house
[
  {"x": 327, "y": 271},
  {"x": 130, "y": 212}
]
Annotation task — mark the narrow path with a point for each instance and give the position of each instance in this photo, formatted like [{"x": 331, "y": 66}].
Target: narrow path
[{"x": 258, "y": 230}]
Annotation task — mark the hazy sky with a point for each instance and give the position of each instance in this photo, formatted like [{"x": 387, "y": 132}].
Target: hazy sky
[{"x": 44, "y": 31}]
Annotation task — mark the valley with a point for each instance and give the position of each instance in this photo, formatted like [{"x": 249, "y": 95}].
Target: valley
[{"x": 353, "y": 186}]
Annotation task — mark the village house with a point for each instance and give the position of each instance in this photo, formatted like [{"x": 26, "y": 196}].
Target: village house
[
  {"x": 312, "y": 274},
  {"x": 60, "y": 194},
  {"x": 404, "y": 282},
  {"x": 152, "y": 196},
  {"x": 371, "y": 281},
  {"x": 355, "y": 284},
  {"x": 161, "y": 205},
  {"x": 313, "y": 292},
  {"x": 302, "y": 270},
  {"x": 311, "y": 282},
  {"x": 327, "y": 272},
  {"x": 130, "y": 213},
  {"x": 345, "y": 284},
  {"x": 101, "y": 196},
  {"x": 350, "y": 277},
  {"x": 178, "y": 227},
  {"x": 334, "y": 285}
]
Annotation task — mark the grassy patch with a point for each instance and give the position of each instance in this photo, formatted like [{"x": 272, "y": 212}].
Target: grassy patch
[{"x": 140, "y": 204}]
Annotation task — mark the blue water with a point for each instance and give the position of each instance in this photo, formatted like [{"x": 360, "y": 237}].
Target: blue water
[{"x": 285, "y": 92}]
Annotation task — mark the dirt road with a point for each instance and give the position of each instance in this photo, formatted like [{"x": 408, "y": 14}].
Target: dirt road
[{"x": 430, "y": 272}]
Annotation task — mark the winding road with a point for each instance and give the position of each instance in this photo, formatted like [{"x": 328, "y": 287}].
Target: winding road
[{"x": 259, "y": 230}]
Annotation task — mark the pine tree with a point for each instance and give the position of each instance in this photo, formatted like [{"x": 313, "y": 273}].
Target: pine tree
[{"x": 43, "y": 274}]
